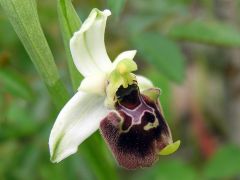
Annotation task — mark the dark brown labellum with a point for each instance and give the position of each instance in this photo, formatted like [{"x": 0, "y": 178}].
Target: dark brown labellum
[{"x": 136, "y": 131}]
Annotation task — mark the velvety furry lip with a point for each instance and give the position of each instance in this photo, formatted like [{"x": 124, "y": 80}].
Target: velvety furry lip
[{"x": 132, "y": 144}]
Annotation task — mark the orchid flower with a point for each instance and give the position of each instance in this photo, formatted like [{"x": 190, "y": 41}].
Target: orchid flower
[{"x": 124, "y": 106}]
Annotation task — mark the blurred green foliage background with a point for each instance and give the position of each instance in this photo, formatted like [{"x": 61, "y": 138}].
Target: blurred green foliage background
[{"x": 188, "y": 48}]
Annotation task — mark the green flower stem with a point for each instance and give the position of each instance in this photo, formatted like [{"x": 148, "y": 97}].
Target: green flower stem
[
  {"x": 69, "y": 23},
  {"x": 24, "y": 19}
]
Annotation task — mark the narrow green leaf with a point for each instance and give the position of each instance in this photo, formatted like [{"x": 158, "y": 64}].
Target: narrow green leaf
[
  {"x": 13, "y": 82},
  {"x": 224, "y": 164},
  {"x": 212, "y": 33},
  {"x": 69, "y": 23},
  {"x": 24, "y": 19},
  {"x": 163, "y": 53},
  {"x": 19, "y": 121},
  {"x": 116, "y": 6}
]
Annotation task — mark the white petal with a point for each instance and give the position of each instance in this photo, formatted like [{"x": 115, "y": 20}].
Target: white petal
[
  {"x": 124, "y": 55},
  {"x": 144, "y": 83},
  {"x": 94, "y": 84},
  {"x": 78, "y": 119},
  {"x": 88, "y": 47}
]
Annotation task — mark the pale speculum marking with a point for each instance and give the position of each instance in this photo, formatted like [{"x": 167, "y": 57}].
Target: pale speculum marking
[{"x": 133, "y": 115}]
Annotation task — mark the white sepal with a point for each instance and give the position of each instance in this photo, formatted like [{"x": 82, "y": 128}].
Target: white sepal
[
  {"x": 78, "y": 119},
  {"x": 94, "y": 84},
  {"x": 144, "y": 83},
  {"x": 87, "y": 45}
]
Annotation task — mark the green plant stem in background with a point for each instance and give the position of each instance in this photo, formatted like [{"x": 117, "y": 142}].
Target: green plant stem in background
[
  {"x": 69, "y": 23},
  {"x": 24, "y": 19},
  {"x": 13, "y": 82}
]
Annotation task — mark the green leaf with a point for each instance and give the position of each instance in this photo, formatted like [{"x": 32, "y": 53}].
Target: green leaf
[
  {"x": 15, "y": 84},
  {"x": 27, "y": 161},
  {"x": 138, "y": 23},
  {"x": 163, "y": 53},
  {"x": 169, "y": 170},
  {"x": 212, "y": 33},
  {"x": 224, "y": 164},
  {"x": 19, "y": 122},
  {"x": 69, "y": 23},
  {"x": 116, "y": 6},
  {"x": 24, "y": 19}
]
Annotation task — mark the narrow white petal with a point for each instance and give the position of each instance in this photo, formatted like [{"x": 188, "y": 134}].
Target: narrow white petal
[
  {"x": 88, "y": 47},
  {"x": 78, "y": 119},
  {"x": 144, "y": 83},
  {"x": 94, "y": 84},
  {"x": 124, "y": 55}
]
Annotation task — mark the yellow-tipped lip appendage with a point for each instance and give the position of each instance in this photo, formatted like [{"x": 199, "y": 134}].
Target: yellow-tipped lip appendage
[{"x": 171, "y": 148}]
